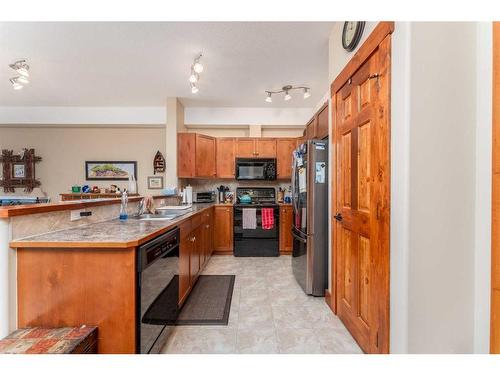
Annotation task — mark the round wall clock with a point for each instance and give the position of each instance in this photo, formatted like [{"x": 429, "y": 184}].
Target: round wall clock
[{"x": 351, "y": 35}]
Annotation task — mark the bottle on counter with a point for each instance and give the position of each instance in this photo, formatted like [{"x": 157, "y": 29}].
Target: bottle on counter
[{"x": 123, "y": 207}]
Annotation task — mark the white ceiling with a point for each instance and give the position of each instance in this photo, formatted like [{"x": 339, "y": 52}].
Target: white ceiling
[{"x": 143, "y": 63}]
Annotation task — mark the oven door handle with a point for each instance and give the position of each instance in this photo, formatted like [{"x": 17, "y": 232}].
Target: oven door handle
[{"x": 298, "y": 238}]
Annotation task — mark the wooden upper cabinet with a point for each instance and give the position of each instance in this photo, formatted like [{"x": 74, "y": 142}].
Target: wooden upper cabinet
[
  {"x": 256, "y": 148},
  {"x": 223, "y": 228},
  {"x": 225, "y": 157},
  {"x": 311, "y": 128},
  {"x": 195, "y": 155},
  {"x": 322, "y": 122},
  {"x": 205, "y": 156},
  {"x": 245, "y": 148},
  {"x": 265, "y": 147},
  {"x": 317, "y": 127},
  {"x": 186, "y": 154},
  {"x": 284, "y": 150}
]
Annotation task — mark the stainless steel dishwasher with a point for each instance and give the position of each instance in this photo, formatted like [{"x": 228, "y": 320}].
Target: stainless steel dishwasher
[{"x": 157, "y": 291}]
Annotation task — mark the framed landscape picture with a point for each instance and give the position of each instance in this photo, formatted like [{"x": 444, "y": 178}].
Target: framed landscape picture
[
  {"x": 110, "y": 170},
  {"x": 155, "y": 182}
]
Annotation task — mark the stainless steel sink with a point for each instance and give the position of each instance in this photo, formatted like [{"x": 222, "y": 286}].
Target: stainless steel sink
[{"x": 164, "y": 215}]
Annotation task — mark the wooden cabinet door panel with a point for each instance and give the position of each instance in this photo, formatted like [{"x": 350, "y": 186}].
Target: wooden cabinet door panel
[
  {"x": 186, "y": 154},
  {"x": 311, "y": 129},
  {"x": 362, "y": 182},
  {"x": 245, "y": 148},
  {"x": 205, "y": 156},
  {"x": 194, "y": 260},
  {"x": 184, "y": 255},
  {"x": 284, "y": 150},
  {"x": 265, "y": 147},
  {"x": 226, "y": 154},
  {"x": 286, "y": 239},
  {"x": 223, "y": 228},
  {"x": 322, "y": 123}
]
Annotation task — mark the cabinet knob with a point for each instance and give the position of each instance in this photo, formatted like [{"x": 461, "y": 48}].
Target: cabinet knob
[{"x": 207, "y": 226}]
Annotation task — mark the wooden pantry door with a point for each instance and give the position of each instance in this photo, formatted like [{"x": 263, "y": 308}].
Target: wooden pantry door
[{"x": 361, "y": 135}]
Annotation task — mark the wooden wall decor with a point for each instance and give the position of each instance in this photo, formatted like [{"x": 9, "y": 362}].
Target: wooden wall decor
[
  {"x": 19, "y": 170},
  {"x": 158, "y": 163}
]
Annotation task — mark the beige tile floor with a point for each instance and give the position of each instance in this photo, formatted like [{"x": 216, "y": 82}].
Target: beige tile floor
[{"x": 269, "y": 314}]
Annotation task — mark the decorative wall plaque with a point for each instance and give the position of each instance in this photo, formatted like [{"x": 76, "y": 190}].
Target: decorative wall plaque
[
  {"x": 158, "y": 163},
  {"x": 19, "y": 170}
]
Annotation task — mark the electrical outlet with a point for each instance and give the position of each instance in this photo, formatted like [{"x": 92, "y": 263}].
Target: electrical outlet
[{"x": 79, "y": 214}]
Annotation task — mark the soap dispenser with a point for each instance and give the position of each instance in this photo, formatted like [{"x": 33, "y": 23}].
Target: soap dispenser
[{"x": 123, "y": 207}]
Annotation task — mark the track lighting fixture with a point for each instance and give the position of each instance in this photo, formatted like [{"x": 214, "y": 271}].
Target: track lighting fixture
[
  {"x": 22, "y": 69},
  {"x": 196, "y": 69},
  {"x": 286, "y": 89},
  {"x": 22, "y": 79},
  {"x": 15, "y": 83},
  {"x": 194, "y": 77}
]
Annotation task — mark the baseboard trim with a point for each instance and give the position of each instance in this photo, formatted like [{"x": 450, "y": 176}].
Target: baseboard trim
[
  {"x": 328, "y": 299},
  {"x": 223, "y": 252}
]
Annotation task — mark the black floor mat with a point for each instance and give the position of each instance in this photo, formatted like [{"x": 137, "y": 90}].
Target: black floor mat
[{"x": 209, "y": 303}]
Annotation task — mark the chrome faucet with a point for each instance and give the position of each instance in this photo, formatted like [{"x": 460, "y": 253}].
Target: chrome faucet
[{"x": 140, "y": 209}]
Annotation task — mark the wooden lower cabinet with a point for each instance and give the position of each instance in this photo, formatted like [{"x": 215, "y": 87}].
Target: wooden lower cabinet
[
  {"x": 196, "y": 248},
  {"x": 286, "y": 221},
  {"x": 185, "y": 248},
  {"x": 69, "y": 287},
  {"x": 223, "y": 229}
]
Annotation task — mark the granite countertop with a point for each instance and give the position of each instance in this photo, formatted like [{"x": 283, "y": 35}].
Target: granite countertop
[{"x": 107, "y": 234}]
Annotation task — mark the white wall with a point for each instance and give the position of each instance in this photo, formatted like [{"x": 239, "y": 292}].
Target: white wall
[
  {"x": 442, "y": 188},
  {"x": 482, "y": 262},
  {"x": 121, "y": 116},
  {"x": 65, "y": 150},
  {"x": 248, "y": 116}
]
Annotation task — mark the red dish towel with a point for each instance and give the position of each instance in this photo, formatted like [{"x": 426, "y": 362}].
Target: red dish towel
[{"x": 267, "y": 218}]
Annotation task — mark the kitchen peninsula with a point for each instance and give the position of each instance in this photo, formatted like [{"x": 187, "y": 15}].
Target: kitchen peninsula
[{"x": 87, "y": 274}]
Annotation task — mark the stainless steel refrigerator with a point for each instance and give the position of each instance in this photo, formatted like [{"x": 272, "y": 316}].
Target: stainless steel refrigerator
[{"x": 310, "y": 216}]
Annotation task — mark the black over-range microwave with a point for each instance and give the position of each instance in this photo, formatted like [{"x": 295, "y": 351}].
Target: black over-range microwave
[{"x": 255, "y": 169}]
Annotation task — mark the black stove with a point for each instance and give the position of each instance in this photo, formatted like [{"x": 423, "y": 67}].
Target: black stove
[
  {"x": 256, "y": 241},
  {"x": 260, "y": 196}
]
